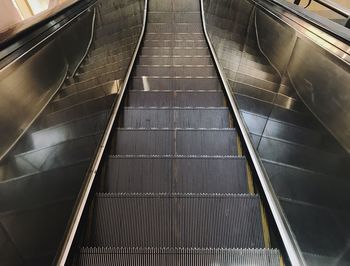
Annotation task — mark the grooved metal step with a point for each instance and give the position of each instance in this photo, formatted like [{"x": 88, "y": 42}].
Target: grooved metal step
[
  {"x": 177, "y": 257},
  {"x": 175, "y": 71},
  {"x": 175, "y": 98},
  {"x": 166, "y": 83},
  {"x": 174, "y": 27},
  {"x": 174, "y": 43},
  {"x": 185, "y": 174},
  {"x": 175, "y": 60},
  {"x": 169, "y": 6},
  {"x": 177, "y": 220},
  {"x": 177, "y": 17},
  {"x": 138, "y": 117},
  {"x": 174, "y": 36},
  {"x": 177, "y": 51},
  {"x": 175, "y": 142}
]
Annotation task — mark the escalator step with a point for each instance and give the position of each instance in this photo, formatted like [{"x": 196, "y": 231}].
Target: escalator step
[
  {"x": 159, "y": 83},
  {"x": 175, "y": 36},
  {"x": 173, "y": 60},
  {"x": 177, "y": 17},
  {"x": 175, "y": 71},
  {"x": 177, "y": 220},
  {"x": 177, "y": 257},
  {"x": 169, "y": 6},
  {"x": 183, "y": 174},
  {"x": 175, "y": 98},
  {"x": 175, "y": 142},
  {"x": 138, "y": 117},
  {"x": 175, "y": 51},
  {"x": 174, "y": 43},
  {"x": 174, "y": 27}
]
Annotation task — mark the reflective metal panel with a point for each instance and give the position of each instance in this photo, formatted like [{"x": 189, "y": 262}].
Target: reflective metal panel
[
  {"x": 28, "y": 83},
  {"x": 42, "y": 175},
  {"x": 281, "y": 76},
  {"x": 322, "y": 81},
  {"x": 277, "y": 47}
]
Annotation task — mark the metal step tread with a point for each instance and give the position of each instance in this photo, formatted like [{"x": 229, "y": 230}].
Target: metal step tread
[
  {"x": 175, "y": 83},
  {"x": 175, "y": 71},
  {"x": 175, "y": 142},
  {"x": 175, "y": 173},
  {"x": 177, "y": 220},
  {"x": 176, "y": 98},
  {"x": 175, "y": 61},
  {"x": 174, "y": 36},
  {"x": 175, "y": 117},
  {"x": 180, "y": 51},
  {"x": 177, "y": 256}
]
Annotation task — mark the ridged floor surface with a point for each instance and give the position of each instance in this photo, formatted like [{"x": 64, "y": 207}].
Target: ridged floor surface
[{"x": 175, "y": 189}]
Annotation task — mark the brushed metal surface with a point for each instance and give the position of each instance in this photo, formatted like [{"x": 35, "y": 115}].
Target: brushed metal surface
[
  {"x": 43, "y": 174},
  {"x": 30, "y": 82},
  {"x": 174, "y": 135},
  {"x": 297, "y": 120},
  {"x": 323, "y": 86}
]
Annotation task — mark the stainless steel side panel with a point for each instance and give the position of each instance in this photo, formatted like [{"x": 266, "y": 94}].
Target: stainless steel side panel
[
  {"x": 276, "y": 40},
  {"x": 319, "y": 70},
  {"x": 290, "y": 83},
  {"x": 323, "y": 81},
  {"x": 27, "y": 84}
]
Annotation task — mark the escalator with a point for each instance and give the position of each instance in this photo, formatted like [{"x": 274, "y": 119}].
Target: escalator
[
  {"x": 145, "y": 156},
  {"x": 175, "y": 188}
]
